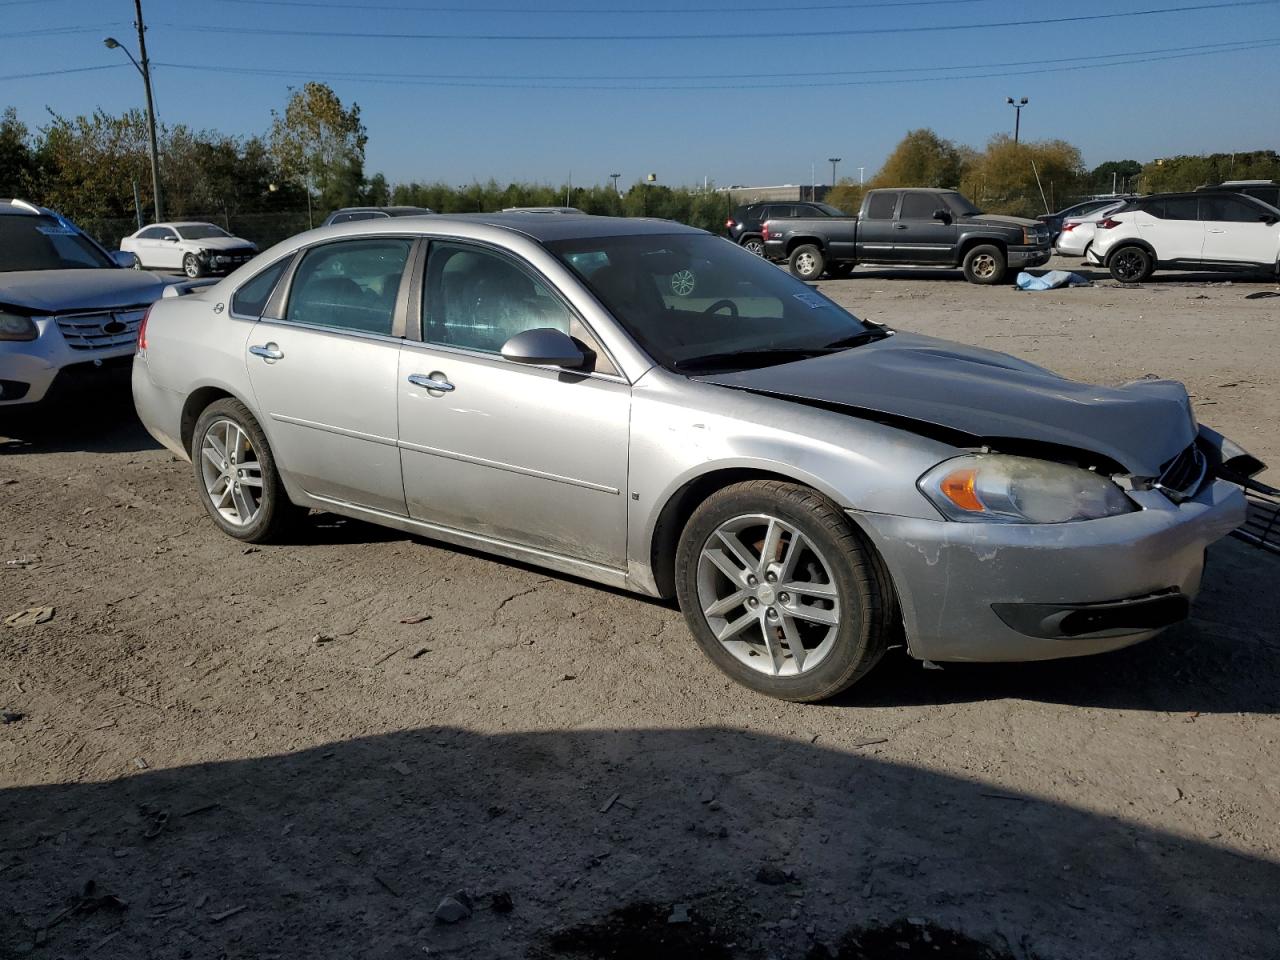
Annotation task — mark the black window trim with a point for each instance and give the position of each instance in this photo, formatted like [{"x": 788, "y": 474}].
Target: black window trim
[
  {"x": 893, "y": 214},
  {"x": 266, "y": 307}
]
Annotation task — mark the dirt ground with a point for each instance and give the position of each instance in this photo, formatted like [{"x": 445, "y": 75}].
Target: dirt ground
[{"x": 298, "y": 751}]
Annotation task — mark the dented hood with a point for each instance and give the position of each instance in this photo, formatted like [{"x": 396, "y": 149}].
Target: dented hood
[{"x": 989, "y": 396}]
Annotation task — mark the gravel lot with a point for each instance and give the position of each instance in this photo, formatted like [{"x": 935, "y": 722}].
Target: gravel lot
[{"x": 298, "y": 751}]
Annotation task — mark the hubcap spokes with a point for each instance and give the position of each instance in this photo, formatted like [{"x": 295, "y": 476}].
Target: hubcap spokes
[
  {"x": 768, "y": 595},
  {"x": 231, "y": 472}
]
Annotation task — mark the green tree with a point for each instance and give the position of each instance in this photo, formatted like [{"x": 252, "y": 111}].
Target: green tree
[
  {"x": 1024, "y": 178},
  {"x": 18, "y": 169},
  {"x": 320, "y": 143},
  {"x": 1113, "y": 175},
  {"x": 921, "y": 159},
  {"x": 846, "y": 195}
]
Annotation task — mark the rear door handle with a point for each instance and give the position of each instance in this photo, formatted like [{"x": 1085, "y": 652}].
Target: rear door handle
[
  {"x": 900, "y": 226},
  {"x": 267, "y": 352},
  {"x": 1217, "y": 231},
  {"x": 434, "y": 382}
]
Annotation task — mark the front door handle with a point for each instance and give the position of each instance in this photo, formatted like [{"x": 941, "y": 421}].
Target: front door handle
[
  {"x": 900, "y": 226},
  {"x": 267, "y": 351},
  {"x": 1217, "y": 231},
  {"x": 435, "y": 381}
]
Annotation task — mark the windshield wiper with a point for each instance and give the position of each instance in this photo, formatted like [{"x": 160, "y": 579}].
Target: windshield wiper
[
  {"x": 858, "y": 339},
  {"x": 746, "y": 359}
]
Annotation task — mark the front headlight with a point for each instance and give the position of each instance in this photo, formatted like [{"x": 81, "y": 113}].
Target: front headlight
[
  {"x": 14, "y": 326},
  {"x": 995, "y": 488}
]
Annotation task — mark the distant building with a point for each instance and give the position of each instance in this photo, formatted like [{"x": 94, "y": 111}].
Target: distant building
[{"x": 783, "y": 193}]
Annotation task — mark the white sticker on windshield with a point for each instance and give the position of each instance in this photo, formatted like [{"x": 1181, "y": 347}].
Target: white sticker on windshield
[
  {"x": 58, "y": 231},
  {"x": 810, "y": 300}
]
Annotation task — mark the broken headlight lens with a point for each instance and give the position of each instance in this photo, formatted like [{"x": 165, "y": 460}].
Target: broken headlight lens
[
  {"x": 995, "y": 488},
  {"x": 14, "y": 326}
]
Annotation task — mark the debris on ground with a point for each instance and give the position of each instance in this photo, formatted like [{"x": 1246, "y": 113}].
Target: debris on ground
[
  {"x": 1262, "y": 295},
  {"x": 772, "y": 875},
  {"x": 422, "y": 619},
  {"x": 21, "y": 563},
  {"x": 609, "y": 803},
  {"x": 29, "y": 617},
  {"x": 227, "y": 914},
  {"x": 501, "y": 902},
  {"x": 1051, "y": 280},
  {"x": 11, "y": 716},
  {"x": 679, "y": 913},
  {"x": 454, "y": 908}
]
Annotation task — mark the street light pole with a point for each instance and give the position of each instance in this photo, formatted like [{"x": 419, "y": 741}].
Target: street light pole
[
  {"x": 833, "y": 161},
  {"x": 1017, "y": 119},
  {"x": 615, "y": 177},
  {"x": 144, "y": 68}
]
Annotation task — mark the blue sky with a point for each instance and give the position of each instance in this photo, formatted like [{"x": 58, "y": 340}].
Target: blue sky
[{"x": 553, "y": 119}]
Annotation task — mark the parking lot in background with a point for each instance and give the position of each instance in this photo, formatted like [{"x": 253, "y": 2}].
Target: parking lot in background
[{"x": 339, "y": 732}]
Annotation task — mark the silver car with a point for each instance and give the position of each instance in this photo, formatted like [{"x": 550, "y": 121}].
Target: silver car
[{"x": 651, "y": 407}]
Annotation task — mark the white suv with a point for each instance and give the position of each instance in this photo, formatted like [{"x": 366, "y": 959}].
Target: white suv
[
  {"x": 69, "y": 311},
  {"x": 1188, "y": 231}
]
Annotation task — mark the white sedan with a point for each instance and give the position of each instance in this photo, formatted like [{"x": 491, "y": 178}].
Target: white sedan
[
  {"x": 1077, "y": 232},
  {"x": 197, "y": 249}
]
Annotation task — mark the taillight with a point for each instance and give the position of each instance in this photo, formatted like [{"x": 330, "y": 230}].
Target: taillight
[
  {"x": 142, "y": 331},
  {"x": 764, "y": 229},
  {"x": 729, "y": 224},
  {"x": 1108, "y": 224},
  {"x": 1068, "y": 227}
]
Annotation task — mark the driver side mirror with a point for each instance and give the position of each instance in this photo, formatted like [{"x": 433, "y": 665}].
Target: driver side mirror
[
  {"x": 943, "y": 215},
  {"x": 544, "y": 345},
  {"x": 124, "y": 259},
  {"x": 1269, "y": 220}
]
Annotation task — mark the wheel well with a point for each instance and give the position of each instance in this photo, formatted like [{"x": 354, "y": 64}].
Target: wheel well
[
  {"x": 801, "y": 241},
  {"x": 677, "y": 511},
  {"x": 1140, "y": 244},
  {"x": 982, "y": 242},
  {"x": 195, "y": 405}
]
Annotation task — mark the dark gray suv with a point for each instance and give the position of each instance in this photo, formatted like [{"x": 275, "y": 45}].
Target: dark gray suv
[{"x": 743, "y": 225}]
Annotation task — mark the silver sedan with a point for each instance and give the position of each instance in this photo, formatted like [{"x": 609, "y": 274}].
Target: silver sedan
[{"x": 650, "y": 407}]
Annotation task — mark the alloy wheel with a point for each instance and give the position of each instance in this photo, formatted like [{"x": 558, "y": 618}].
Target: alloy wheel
[
  {"x": 231, "y": 472},
  {"x": 754, "y": 246},
  {"x": 768, "y": 595},
  {"x": 1128, "y": 265}
]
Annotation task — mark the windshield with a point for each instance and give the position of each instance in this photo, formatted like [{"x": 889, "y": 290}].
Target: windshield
[
  {"x": 44, "y": 243},
  {"x": 698, "y": 303},
  {"x": 200, "y": 231},
  {"x": 960, "y": 205}
]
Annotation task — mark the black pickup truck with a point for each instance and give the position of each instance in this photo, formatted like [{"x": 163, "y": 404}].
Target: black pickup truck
[{"x": 911, "y": 226}]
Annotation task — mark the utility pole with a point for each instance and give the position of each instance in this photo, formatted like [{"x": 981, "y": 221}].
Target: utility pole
[
  {"x": 151, "y": 107},
  {"x": 833, "y": 161},
  {"x": 144, "y": 68},
  {"x": 1017, "y": 120}
]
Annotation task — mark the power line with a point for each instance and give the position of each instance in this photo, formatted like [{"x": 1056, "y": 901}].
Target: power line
[
  {"x": 55, "y": 73},
  {"x": 512, "y": 83},
  {"x": 1224, "y": 47},
  {"x": 756, "y": 35},
  {"x": 58, "y": 31},
  {"x": 581, "y": 11}
]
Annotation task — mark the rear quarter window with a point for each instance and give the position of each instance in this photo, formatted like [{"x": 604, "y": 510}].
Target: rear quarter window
[{"x": 251, "y": 299}]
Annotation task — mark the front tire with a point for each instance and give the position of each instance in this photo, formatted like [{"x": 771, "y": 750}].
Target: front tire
[
  {"x": 985, "y": 264},
  {"x": 236, "y": 475},
  {"x": 781, "y": 592},
  {"x": 807, "y": 262},
  {"x": 1131, "y": 264},
  {"x": 192, "y": 266}
]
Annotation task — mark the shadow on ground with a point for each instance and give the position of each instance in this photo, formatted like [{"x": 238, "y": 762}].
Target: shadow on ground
[
  {"x": 771, "y": 847},
  {"x": 101, "y": 420}
]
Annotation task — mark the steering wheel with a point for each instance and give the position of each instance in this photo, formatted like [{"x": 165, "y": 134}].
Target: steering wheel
[{"x": 733, "y": 307}]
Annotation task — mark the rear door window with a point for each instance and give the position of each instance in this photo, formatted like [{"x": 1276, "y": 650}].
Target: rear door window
[
  {"x": 351, "y": 285},
  {"x": 918, "y": 206},
  {"x": 881, "y": 206},
  {"x": 1180, "y": 208},
  {"x": 1228, "y": 210}
]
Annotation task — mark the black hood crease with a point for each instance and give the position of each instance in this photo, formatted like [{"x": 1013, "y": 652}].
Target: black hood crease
[{"x": 984, "y": 394}]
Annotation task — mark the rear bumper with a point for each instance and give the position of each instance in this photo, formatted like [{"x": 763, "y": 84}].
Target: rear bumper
[{"x": 1039, "y": 592}]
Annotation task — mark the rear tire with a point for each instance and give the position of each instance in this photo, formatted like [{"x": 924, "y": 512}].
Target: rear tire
[
  {"x": 985, "y": 265},
  {"x": 807, "y": 262},
  {"x": 236, "y": 475},
  {"x": 781, "y": 592},
  {"x": 1131, "y": 264},
  {"x": 754, "y": 245},
  {"x": 840, "y": 271}
]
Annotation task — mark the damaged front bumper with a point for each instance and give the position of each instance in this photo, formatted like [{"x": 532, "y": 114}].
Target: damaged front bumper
[{"x": 992, "y": 591}]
